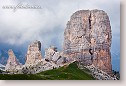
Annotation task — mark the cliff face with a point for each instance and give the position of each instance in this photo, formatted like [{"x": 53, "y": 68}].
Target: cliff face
[
  {"x": 87, "y": 38},
  {"x": 34, "y": 53}
]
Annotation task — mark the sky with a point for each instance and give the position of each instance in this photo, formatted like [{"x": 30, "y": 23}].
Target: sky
[{"x": 19, "y": 28}]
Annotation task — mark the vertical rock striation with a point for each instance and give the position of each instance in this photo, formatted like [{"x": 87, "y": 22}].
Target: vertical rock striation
[
  {"x": 33, "y": 55},
  {"x": 87, "y": 38}
]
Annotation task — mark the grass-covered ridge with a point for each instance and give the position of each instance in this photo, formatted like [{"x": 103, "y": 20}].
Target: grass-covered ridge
[{"x": 71, "y": 72}]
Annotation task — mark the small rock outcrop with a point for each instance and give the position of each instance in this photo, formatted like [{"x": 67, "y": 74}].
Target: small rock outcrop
[
  {"x": 87, "y": 38},
  {"x": 12, "y": 63},
  {"x": 51, "y": 54},
  {"x": 33, "y": 55}
]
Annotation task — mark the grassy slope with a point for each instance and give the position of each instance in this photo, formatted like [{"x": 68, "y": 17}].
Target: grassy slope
[{"x": 71, "y": 72}]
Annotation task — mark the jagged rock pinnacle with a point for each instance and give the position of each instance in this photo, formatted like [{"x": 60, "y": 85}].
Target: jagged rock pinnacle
[{"x": 12, "y": 62}]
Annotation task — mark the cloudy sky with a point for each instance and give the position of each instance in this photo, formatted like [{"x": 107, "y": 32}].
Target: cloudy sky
[{"x": 47, "y": 24}]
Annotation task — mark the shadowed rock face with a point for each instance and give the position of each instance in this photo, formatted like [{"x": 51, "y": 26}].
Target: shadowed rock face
[
  {"x": 87, "y": 38},
  {"x": 34, "y": 53}
]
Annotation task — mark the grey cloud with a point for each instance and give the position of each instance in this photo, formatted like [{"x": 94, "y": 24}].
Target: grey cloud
[{"x": 48, "y": 24}]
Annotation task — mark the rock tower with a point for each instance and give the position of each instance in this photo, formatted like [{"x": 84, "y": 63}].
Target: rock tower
[
  {"x": 33, "y": 55},
  {"x": 87, "y": 38}
]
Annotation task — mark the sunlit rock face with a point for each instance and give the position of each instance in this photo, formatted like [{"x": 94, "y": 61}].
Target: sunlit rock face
[
  {"x": 87, "y": 38},
  {"x": 34, "y": 55},
  {"x": 12, "y": 62}
]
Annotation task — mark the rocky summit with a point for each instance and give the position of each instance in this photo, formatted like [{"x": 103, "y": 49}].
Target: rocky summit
[
  {"x": 87, "y": 38},
  {"x": 34, "y": 53},
  {"x": 12, "y": 63}
]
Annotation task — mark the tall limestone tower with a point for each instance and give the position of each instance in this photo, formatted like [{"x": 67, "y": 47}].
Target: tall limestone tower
[
  {"x": 87, "y": 38},
  {"x": 33, "y": 55}
]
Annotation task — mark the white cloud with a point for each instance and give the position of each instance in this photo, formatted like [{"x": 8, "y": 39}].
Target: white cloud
[{"x": 49, "y": 22}]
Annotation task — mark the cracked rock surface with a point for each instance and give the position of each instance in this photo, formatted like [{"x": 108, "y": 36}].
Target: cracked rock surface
[{"x": 87, "y": 38}]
